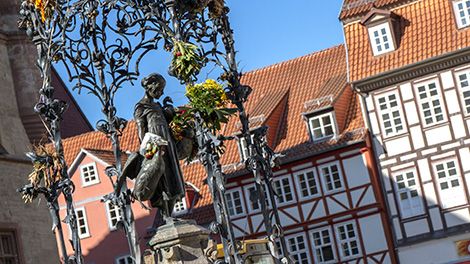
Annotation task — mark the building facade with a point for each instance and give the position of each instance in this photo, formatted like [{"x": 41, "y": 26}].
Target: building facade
[
  {"x": 328, "y": 192},
  {"x": 409, "y": 61}
]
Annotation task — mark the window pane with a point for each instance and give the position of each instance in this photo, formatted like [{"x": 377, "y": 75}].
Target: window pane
[{"x": 329, "y": 131}]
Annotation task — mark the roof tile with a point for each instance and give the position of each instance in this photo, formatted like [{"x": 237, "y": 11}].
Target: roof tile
[{"x": 427, "y": 30}]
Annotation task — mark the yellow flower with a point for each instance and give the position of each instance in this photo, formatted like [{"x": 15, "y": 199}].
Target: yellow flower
[{"x": 44, "y": 7}]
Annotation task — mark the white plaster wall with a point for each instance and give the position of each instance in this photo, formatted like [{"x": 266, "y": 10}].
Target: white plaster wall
[
  {"x": 256, "y": 221},
  {"x": 373, "y": 233},
  {"x": 368, "y": 198},
  {"x": 369, "y": 103},
  {"x": 430, "y": 194},
  {"x": 417, "y": 227},
  {"x": 387, "y": 260},
  {"x": 398, "y": 146},
  {"x": 334, "y": 207},
  {"x": 447, "y": 80},
  {"x": 285, "y": 220},
  {"x": 307, "y": 208},
  {"x": 293, "y": 212},
  {"x": 436, "y": 219},
  {"x": 411, "y": 113},
  {"x": 465, "y": 156},
  {"x": 468, "y": 123},
  {"x": 356, "y": 171},
  {"x": 453, "y": 197},
  {"x": 356, "y": 195},
  {"x": 458, "y": 126},
  {"x": 434, "y": 252},
  {"x": 424, "y": 170},
  {"x": 406, "y": 91},
  {"x": 457, "y": 217},
  {"x": 319, "y": 211},
  {"x": 243, "y": 225},
  {"x": 396, "y": 227},
  {"x": 438, "y": 135},
  {"x": 452, "y": 101},
  {"x": 386, "y": 180},
  {"x": 374, "y": 124},
  {"x": 391, "y": 204}
]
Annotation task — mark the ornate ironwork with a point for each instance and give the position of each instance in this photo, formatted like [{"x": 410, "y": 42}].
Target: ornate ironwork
[
  {"x": 46, "y": 31},
  {"x": 101, "y": 43}
]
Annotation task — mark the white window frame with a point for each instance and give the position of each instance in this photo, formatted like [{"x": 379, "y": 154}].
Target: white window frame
[
  {"x": 464, "y": 90},
  {"x": 229, "y": 196},
  {"x": 348, "y": 240},
  {"x": 283, "y": 191},
  {"x": 243, "y": 148},
  {"x": 307, "y": 181},
  {"x": 406, "y": 186},
  {"x": 379, "y": 37},
  {"x": 319, "y": 257},
  {"x": 450, "y": 196},
  {"x": 462, "y": 14},
  {"x": 324, "y": 179},
  {"x": 87, "y": 233},
  {"x": 430, "y": 99},
  {"x": 125, "y": 258},
  {"x": 297, "y": 252},
  {"x": 322, "y": 126},
  {"x": 180, "y": 204},
  {"x": 248, "y": 201},
  {"x": 108, "y": 214},
  {"x": 82, "y": 176},
  {"x": 390, "y": 112}
]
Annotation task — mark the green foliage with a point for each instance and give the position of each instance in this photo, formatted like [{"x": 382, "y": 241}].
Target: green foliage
[
  {"x": 210, "y": 101},
  {"x": 186, "y": 62}
]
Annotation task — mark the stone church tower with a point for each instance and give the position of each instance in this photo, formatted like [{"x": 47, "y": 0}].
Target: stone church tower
[{"x": 25, "y": 229}]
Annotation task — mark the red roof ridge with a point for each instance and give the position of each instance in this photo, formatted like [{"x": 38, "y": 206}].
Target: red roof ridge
[{"x": 282, "y": 63}]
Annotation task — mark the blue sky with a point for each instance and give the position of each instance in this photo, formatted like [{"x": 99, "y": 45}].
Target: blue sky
[{"x": 266, "y": 32}]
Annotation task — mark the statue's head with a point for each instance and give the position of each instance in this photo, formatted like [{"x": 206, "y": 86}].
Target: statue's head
[{"x": 154, "y": 85}]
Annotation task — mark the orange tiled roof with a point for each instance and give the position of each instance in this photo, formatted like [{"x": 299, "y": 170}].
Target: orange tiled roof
[
  {"x": 107, "y": 156},
  {"x": 297, "y": 81},
  {"x": 354, "y": 8},
  {"x": 427, "y": 30}
]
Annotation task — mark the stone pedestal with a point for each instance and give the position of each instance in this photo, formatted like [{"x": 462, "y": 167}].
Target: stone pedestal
[{"x": 180, "y": 242}]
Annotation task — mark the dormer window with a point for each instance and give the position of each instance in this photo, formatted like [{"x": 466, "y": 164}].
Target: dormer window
[
  {"x": 462, "y": 13},
  {"x": 180, "y": 207},
  {"x": 381, "y": 39},
  {"x": 89, "y": 174},
  {"x": 380, "y": 26},
  {"x": 322, "y": 126}
]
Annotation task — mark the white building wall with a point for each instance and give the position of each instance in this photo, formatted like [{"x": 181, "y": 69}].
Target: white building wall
[{"x": 423, "y": 146}]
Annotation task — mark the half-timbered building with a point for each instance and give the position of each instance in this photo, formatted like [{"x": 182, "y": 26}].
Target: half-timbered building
[
  {"x": 328, "y": 192},
  {"x": 328, "y": 196},
  {"x": 410, "y": 62}
]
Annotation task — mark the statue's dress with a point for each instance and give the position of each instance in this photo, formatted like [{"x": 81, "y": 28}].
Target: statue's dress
[{"x": 152, "y": 117}]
